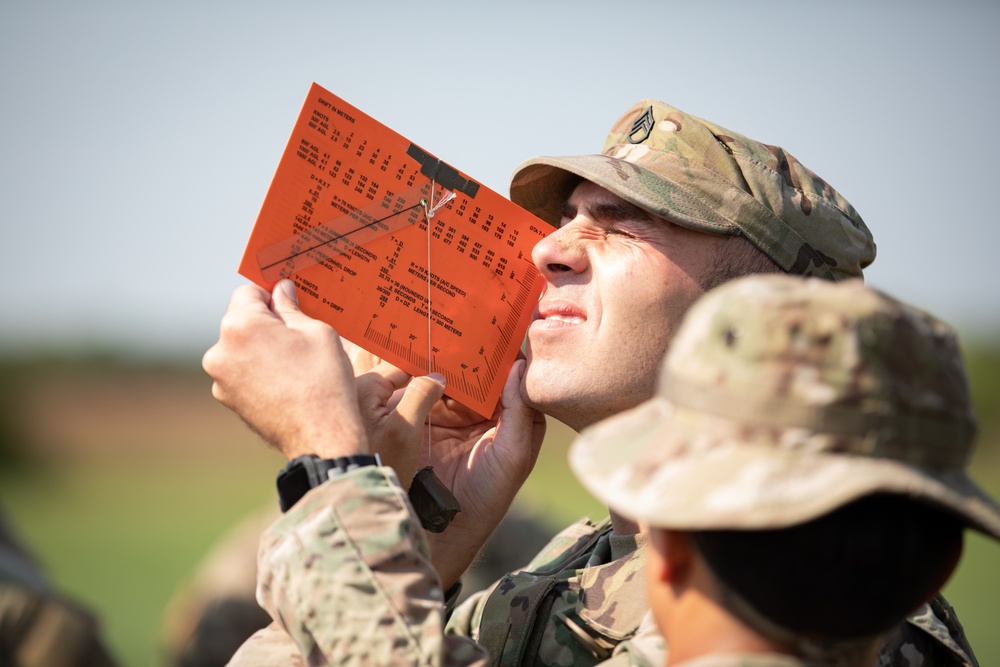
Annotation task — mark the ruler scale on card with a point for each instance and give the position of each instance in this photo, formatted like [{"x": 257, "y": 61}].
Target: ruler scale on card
[
  {"x": 372, "y": 228},
  {"x": 492, "y": 362}
]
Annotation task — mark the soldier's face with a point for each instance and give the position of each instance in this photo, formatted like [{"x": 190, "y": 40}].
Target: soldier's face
[{"x": 617, "y": 283}]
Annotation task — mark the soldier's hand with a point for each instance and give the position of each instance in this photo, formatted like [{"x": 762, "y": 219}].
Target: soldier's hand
[
  {"x": 286, "y": 375},
  {"x": 361, "y": 359},
  {"x": 394, "y": 407},
  {"x": 484, "y": 462}
]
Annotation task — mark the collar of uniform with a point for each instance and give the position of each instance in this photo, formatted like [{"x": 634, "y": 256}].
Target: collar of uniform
[
  {"x": 613, "y": 596},
  {"x": 937, "y": 619}
]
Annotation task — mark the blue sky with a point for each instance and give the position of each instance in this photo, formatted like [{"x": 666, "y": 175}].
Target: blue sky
[{"x": 138, "y": 139}]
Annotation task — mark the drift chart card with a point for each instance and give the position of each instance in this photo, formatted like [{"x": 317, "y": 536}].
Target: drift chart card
[{"x": 401, "y": 253}]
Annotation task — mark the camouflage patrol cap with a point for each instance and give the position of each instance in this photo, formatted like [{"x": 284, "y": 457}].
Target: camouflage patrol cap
[
  {"x": 705, "y": 177},
  {"x": 784, "y": 398}
]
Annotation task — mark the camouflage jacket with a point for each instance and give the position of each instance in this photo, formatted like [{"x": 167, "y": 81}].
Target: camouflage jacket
[
  {"x": 744, "y": 660},
  {"x": 345, "y": 575},
  {"x": 572, "y": 604}
]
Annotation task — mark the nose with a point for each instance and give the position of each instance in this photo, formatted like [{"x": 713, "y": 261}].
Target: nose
[{"x": 559, "y": 253}]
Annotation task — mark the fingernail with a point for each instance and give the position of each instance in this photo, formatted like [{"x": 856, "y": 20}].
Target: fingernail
[
  {"x": 437, "y": 377},
  {"x": 287, "y": 288}
]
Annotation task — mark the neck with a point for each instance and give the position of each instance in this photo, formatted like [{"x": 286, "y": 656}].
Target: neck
[
  {"x": 699, "y": 624},
  {"x": 621, "y": 525},
  {"x": 707, "y": 632}
]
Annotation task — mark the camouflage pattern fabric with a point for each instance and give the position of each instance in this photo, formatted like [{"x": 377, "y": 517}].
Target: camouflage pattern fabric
[
  {"x": 747, "y": 660},
  {"x": 216, "y": 612},
  {"x": 932, "y": 635},
  {"x": 782, "y": 399},
  {"x": 273, "y": 647},
  {"x": 345, "y": 574},
  {"x": 270, "y": 646},
  {"x": 910, "y": 647},
  {"x": 346, "y": 577},
  {"x": 702, "y": 176},
  {"x": 572, "y": 604}
]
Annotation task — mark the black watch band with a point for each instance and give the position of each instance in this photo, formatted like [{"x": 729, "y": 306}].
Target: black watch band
[{"x": 309, "y": 471}]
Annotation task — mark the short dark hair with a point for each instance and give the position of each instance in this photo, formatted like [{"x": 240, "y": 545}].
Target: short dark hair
[
  {"x": 853, "y": 573},
  {"x": 737, "y": 257}
]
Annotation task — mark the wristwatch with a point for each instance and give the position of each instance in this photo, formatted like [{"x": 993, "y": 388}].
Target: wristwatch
[
  {"x": 432, "y": 501},
  {"x": 309, "y": 471}
]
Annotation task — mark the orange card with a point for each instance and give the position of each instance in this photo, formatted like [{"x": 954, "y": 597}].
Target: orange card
[{"x": 400, "y": 252}]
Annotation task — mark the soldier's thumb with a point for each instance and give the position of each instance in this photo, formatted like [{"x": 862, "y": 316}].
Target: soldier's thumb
[{"x": 285, "y": 302}]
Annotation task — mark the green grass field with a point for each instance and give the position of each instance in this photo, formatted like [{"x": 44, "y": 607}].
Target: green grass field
[{"x": 133, "y": 477}]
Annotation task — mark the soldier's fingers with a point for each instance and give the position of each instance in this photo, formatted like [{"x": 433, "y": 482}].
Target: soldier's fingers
[
  {"x": 419, "y": 397},
  {"x": 392, "y": 374},
  {"x": 361, "y": 359},
  {"x": 381, "y": 383},
  {"x": 249, "y": 297}
]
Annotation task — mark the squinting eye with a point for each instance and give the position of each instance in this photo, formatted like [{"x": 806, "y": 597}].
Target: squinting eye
[{"x": 619, "y": 232}]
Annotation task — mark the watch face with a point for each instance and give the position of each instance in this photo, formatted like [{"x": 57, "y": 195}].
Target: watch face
[{"x": 293, "y": 483}]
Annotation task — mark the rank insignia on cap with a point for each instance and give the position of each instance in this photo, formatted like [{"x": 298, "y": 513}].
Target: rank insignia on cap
[{"x": 641, "y": 127}]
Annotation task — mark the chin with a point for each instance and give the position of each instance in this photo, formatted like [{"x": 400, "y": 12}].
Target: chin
[
  {"x": 540, "y": 390},
  {"x": 555, "y": 399},
  {"x": 533, "y": 389}
]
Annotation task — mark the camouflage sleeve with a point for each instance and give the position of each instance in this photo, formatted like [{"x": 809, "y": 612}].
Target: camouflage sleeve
[
  {"x": 932, "y": 636},
  {"x": 646, "y": 648},
  {"x": 463, "y": 619},
  {"x": 350, "y": 562}
]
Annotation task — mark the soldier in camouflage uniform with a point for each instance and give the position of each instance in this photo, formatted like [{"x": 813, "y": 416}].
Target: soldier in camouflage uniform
[
  {"x": 801, "y": 470},
  {"x": 39, "y": 626},
  {"x": 673, "y": 206}
]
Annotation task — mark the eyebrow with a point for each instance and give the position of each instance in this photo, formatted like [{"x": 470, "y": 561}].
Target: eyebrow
[{"x": 615, "y": 211}]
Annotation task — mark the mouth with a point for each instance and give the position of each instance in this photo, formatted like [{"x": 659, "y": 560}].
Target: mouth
[{"x": 557, "y": 314}]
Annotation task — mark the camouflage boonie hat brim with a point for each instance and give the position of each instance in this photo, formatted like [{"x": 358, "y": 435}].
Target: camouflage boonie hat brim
[
  {"x": 782, "y": 399},
  {"x": 705, "y": 177}
]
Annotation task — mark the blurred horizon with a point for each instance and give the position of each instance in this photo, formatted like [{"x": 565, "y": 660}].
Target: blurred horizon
[
  {"x": 122, "y": 475},
  {"x": 138, "y": 141}
]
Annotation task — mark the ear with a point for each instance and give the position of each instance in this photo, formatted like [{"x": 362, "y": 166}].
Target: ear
[{"x": 672, "y": 556}]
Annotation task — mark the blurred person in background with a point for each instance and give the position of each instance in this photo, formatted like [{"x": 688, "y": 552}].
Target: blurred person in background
[{"x": 39, "y": 626}]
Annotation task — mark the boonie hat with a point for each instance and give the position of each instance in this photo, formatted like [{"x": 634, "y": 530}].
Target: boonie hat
[
  {"x": 707, "y": 178},
  {"x": 782, "y": 399}
]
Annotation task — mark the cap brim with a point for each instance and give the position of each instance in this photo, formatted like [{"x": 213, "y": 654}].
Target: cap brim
[
  {"x": 644, "y": 468},
  {"x": 542, "y": 185}
]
